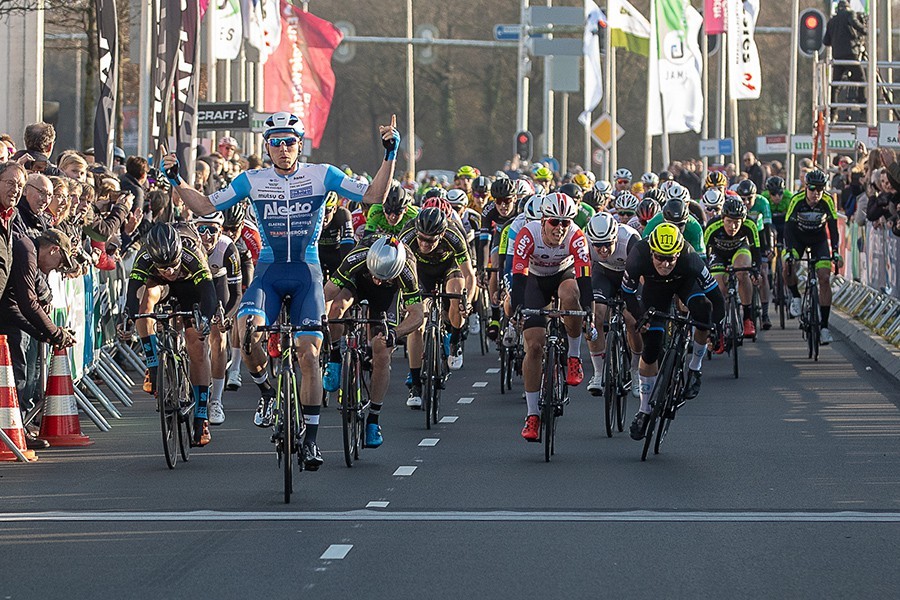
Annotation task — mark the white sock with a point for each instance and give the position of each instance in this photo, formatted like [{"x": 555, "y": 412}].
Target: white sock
[
  {"x": 647, "y": 384},
  {"x": 574, "y": 346},
  {"x": 533, "y": 399},
  {"x": 635, "y": 361},
  {"x": 235, "y": 366},
  {"x": 697, "y": 356},
  {"x": 261, "y": 378},
  {"x": 218, "y": 386},
  {"x": 597, "y": 361}
]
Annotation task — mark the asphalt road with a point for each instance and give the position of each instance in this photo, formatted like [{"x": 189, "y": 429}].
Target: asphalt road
[{"x": 782, "y": 484}]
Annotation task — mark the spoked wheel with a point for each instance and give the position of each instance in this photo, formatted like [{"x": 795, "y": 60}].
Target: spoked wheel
[
  {"x": 287, "y": 431},
  {"x": 648, "y": 437},
  {"x": 185, "y": 416},
  {"x": 779, "y": 295},
  {"x": 610, "y": 383},
  {"x": 349, "y": 405},
  {"x": 504, "y": 366},
  {"x": 623, "y": 386},
  {"x": 428, "y": 375},
  {"x": 167, "y": 401},
  {"x": 736, "y": 335},
  {"x": 440, "y": 369},
  {"x": 548, "y": 409}
]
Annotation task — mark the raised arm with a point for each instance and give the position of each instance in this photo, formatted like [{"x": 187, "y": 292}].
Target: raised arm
[
  {"x": 198, "y": 202},
  {"x": 390, "y": 139}
]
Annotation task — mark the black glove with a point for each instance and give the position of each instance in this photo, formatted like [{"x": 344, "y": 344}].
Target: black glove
[
  {"x": 172, "y": 174},
  {"x": 390, "y": 146}
]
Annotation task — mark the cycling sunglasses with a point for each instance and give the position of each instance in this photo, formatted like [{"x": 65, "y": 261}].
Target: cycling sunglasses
[
  {"x": 816, "y": 188},
  {"x": 558, "y": 222},
  {"x": 204, "y": 229},
  {"x": 285, "y": 141},
  {"x": 606, "y": 246},
  {"x": 625, "y": 213},
  {"x": 666, "y": 260},
  {"x": 424, "y": 239},
  {"x": 173, "y": 266}
]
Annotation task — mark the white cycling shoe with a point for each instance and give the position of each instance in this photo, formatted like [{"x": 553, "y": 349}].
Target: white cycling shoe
[
  {"x": 795, "y": 307},
  {"x": 216, "y": 412}
]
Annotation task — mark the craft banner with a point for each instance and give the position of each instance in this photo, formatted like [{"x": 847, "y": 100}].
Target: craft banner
[
  {"x": 104, "y": 119},
  {"x": 298, "y": 75},
  {"x": 744, "y": 71}
]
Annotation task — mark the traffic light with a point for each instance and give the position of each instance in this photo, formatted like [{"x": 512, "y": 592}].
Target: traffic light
[
  {"x": 812, "y": 31},
  {"x": 523, "y": 145}
]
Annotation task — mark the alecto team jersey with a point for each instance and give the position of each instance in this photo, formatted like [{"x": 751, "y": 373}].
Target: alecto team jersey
[{"x": 289, "y": 208}]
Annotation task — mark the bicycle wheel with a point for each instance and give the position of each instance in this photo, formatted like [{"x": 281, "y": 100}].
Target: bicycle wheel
[
  {"x": 504, "y": 366},
  {"x": 658, "y": 399},
  {"x": 441, "y": 370},
  {"x": 548, "y": 401},
  {"x": 624, "y": 383},
  {"x": 349, "y": 405},
  {"x": 672, "y": 399},
  {"x": 286, "y": 405},
  {"x": 814, "y": 323},
  {"x": 428, "y": 374},
  {"x": 610, "y": 381},
  {"x": 736, "y": 333},
  {"x": 185, "y": 413},
  {"x": 484, "y": 321},
  {"x": 778, "y": 289},
  {"x": 167, "y": 401},
  {"x": 756, "y": 307}
]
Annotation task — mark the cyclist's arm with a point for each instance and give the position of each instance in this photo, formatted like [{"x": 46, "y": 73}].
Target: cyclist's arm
[
  {"x": 754, "y": 241},
  {"x": 233, "y": 279},
  {"x": 832, "y": 223},
  {"x": 523, "y": 247},
  {"x": 378, "y": 189},
  {"x": 578, "y": 248}
]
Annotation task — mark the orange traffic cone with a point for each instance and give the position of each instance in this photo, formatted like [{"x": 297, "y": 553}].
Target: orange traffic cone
[
  {"x": 59, "y": 424},
  {"x": 10, "y": 416}
]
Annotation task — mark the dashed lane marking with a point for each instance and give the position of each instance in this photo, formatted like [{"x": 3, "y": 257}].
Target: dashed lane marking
[
  {"x": 336, "y": 552},
  {"x": 480, "y": 384},
  {"x": 377, "y": 504},
  {"x": 493, "y": 371},
  {"x": 429, "y": 442},
  {"x": 466, "y": 400},
  {"x": 404, "y": 471}
]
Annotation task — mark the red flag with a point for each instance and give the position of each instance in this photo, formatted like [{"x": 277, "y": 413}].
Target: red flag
[
  {"x": 298, "y": 74},
  {"x": 714, "y": 16}
]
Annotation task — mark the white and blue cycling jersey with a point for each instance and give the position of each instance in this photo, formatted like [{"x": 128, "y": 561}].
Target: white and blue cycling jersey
[{"x": 289, "y": 208}]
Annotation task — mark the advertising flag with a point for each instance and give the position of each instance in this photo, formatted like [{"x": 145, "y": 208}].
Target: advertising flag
[
  {"x": 104, "y": 119},
  {"x": 744, "y": 72},
  {"x": 229, "y": 24},
  {"x": 593, "y": 76},
  {"x": 714, "y": 12},
  {"x": 186, "y": 81},
  {"x": 298, "y": 75},
  {"x": 168, "y": 38},
  {"x": 628, "y": 28},
  {"x": 675, "y": 68}
]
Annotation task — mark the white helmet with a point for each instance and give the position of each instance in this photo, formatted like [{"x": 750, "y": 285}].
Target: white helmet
[
  {"x": 712, "y": 199},
  {"x": 386, "y": 258},
  {"x": 602, "y": 228},
  {"x": 603, "y": 188},
  {"x": 626, "y": 201},
  {"x": 559, "y": 206},
  {"x": 677, "y": 191},
  {"x": 665, "y": 185},
  {"x": 283, "y": 122},
  {"x": 456, "y": 197},
  {"x": 532, "y": 208},
  {"x": 523, "y": 188},
  {"x": 650, "y": 178},
  {"x": 217, "y": 217},
  {"x": 623, "y": 174}
]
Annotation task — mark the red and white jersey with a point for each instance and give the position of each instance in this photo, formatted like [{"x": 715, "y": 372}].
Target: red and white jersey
[{"x": 531, "y": 255}]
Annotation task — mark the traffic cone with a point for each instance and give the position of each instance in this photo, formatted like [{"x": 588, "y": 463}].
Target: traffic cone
[
  {"x": 10, "y": 416},
  {"x": 59, "y": 424}
]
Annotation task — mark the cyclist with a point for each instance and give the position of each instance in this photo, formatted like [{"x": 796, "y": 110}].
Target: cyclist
[
  {"x": 622, "y": 179},
  {"x": 668, "y": 267},
  {"x": 471, "y": 219},
  {"x": 733, "y": 240},
  {"x": 758, "y": 211},
  {"x": 480, "y": 195},
  {"x": 646, "y": 210},
  {"x": 626, "y": 207},
  {"x": 810, "y": 221},
  {"x": 442, "y": 255},
  {"x": 543, "y": 178},
  {"x": 585, "y": 212},
  {"x": 610, "y": 245},
  {"x": 716, "y": 180},
  {"x": 712, "y": 201},
  {"x": 289, "y": 200},
  {"x": 551, "y": 261},
  {"x": 779, "y": 199},
  {"x": 174, "y": 261},
  {"x": 649, "y": 180},
  {"x": 494, "y": 218},
  {"x": 391, "y": 216},
  {"x": 238, "y": 225},
  {"x": 531, "y": 211},
  {"x": 225, "y": 267},
  {"x": 599, "y": 196},
  {"x": 336, "y": 240},
  {"x": 465, "y": 176},
  {"x": 676, "y": 211},
  {"x": 381, "y": 271},
  {"x": 584, "y": 181}
]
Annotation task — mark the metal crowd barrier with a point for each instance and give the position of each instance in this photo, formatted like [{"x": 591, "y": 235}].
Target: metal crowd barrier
[{"x": 878, "y": 311}]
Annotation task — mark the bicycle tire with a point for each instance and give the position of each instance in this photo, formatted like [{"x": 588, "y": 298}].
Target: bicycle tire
[
  {"x": 428, "y": 378},
  {"x": 349, "y": 405},
  {"x": 736, "y": 337},
  {"x": 286, "y": 404},
  {"x": 504, "y": 365},
  {"x": 484, "y": 322},
  {"x": 625, "y": 383},
  {"x": 167, "y": 402},
  {"x": 814, "y": 322},
  {"x": 756, "y": 307},
  {"x": 674, "y": 391},
  {"x": 441, "y": 370},
  {"x": 780, "y": 296},
  {"x": 548, "y": 410},
  {"x": 658, "y": 400},
  {"x": 610, "y": 381},
  {"x": 185, "y": 421}
]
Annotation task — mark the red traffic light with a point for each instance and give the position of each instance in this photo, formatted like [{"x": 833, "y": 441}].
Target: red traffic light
[
  {"x": 811, "y": 21},
  {"x": 523, "y": 138}
]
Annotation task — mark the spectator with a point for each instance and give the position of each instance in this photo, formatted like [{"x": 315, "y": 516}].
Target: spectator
[
  {"x": 110, "y": 211},
  {"x": 9, "y": 143},
  {"x": 254, "y": 162},
  {"x": 731, "y": 173},
  {"x": 4, "y": 153},
  {"x": 135, "y": 179},
  {"x": 25, "y": 305},
  {"x": 846, "y": 34},
  {"x": 39, "y": 140},
  {"x": 754, "y": 170},
  {"x": 32, "y": 218},
  {"x": 12, "y": 183},
  {"x": 879, "y": 208},
  {"x": 776, "y": 169},
  {"x": 201, "y": 178},
  {"x": 58, "y": 208},
  {"x": 73, "y": 166},
  {"x": 218, "y": 178},
  {"x": 687, "y": 178}
]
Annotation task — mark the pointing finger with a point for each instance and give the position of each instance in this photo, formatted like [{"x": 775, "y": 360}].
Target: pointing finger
[{"x": 394, "y": 121}]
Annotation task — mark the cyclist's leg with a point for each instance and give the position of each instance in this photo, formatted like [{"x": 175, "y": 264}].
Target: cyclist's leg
[
  {"x": 146, "y": 331},
  {"x": 218, "y": 346},
  {"x": 741, "y": 259},
  {"x": 307, "y": 307},
  {"x": 338, "y": 299},
  {"x": 823, "y": 273},
  {"x": 260, "y": 305},
  {"x": 534, "y": 337},
  {"x": 718, "y": 262}
]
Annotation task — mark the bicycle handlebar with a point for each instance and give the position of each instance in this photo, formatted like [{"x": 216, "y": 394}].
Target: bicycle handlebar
[
  {"x": 552, "y": 312},
  {"x": 652, "y": 312}
]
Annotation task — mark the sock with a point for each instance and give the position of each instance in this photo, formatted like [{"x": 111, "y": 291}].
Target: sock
[
  {"x": 218, "y": 386},
  {"x": 574, "y": 346},
  {"x": 748, "y": 312},
  {"x": 765, "y": 309},
  {"x": 824, "y": 313},
  {"x": 597, "y": 360},
  {"x": 495, "y": 313},
  {"x": 635, "y": 361},
  {"x": 261, "y": 380},
  {"x": 235, "y": 366},
  {"x": 416, "y": 376},
  {"x": 795, "y": 291},
  {"x": 697, "y": 356},
  {"x": 311, "y": 417},
  {"x": 533, "y": 399},
  {"x": 647, "y": 384},
  {"x": 151, "y": 361},
  {"x": 374, "y": 411},
  {"x": 201, "y": 397},
  {"x": 455, "y": 334}
]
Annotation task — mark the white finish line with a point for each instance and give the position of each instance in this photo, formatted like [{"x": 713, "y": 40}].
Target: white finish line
[{"x": 496, "y": 516}]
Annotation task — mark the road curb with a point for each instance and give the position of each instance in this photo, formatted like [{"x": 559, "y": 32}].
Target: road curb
[{"x": 878, "y": 350}]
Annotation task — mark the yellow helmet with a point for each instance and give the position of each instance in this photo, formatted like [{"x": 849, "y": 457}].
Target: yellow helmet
[
  {"x": 331, "y": 200},
  {"x": 666, "y": 240},
  {"x": 467, "y": 171},
  {"x": 582, "y": 181},
  {"x": 716, "y": 179},
  {"x": 543, "y": 174}
]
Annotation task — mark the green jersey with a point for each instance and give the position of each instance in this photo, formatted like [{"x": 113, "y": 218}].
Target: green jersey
[
  {"x": 782, "y": 206},
  {"x": 760, "y": 213},
  {"x": 585, "y": 212},
  {"x": 377, "y": 223},
  {"x": 693, "y": 232}
]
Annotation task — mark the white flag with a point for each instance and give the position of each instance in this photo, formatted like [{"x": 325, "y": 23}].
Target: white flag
[
  {"x": 628, "y": 28},
  {"x": 227, "y": 15},
  {"x": 594, "y": 19},
  {"x": 744, "y": 73},
  {"x": 676, "y": 67}
]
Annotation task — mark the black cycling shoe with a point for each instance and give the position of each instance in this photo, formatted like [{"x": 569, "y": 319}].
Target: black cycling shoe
[
  {"x": 639, "y": 426},
  {"x": 312, "y": 458},
  {"x": 692, "y": 386},
  {"x": 766, "y": 323}
]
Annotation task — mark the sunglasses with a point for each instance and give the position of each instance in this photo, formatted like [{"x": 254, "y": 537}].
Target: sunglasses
[
  {"x": 815, "y": 188},
  {"x": 606, "y": 246},
  {"x": 171, "y": 267},
  {"x": 286, "y": 141},
  {"x": 204, "y": 229},
  {"x": 430, "y": 241},
  {"x": 666, "y": 260},
  {"x": 622, "y": 181},
  {"x": 558, "y": 222},
  {"x": 503, "y": 201},
  {"x": 625, "y": 213}
]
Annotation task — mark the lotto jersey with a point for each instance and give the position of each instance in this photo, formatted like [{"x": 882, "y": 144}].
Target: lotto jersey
[{"x": 533, "y": 256}]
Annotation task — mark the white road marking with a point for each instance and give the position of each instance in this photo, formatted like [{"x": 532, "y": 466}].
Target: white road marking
[
  {"x": 377, "y": 504},
  {"x": 493, "y": 371},
  {"x": 448, "y": 420},
  {"x": 429, "y": 442},
  {"x": 480, "y": 384},
  {"x": 404, "y": 471},
  {"x": 336, "y": 552},
  {"x": 465, "y": 400}
]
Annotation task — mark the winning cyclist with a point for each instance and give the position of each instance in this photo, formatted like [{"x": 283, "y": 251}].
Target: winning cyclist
[{"x": 289, "y": 200}]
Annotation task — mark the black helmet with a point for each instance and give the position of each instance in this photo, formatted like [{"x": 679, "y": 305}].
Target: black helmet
[
  {"x": 746, "y": 188},
  {"x": 734, "y": 208},
  {"x": 572, "y": 190},
  {"x": 431, "y": 221},
  {"x": 503, "y": 188},
  {"x": 235, "y": 216},
  {"x": 592, "y": 198},
  {"x": 665, "y": 176},
  {"x": 435, "y": 192},
  {"x": 480, "y": 185},
  {"x": 676, "y": 211},
  {"x": 398, "y": 199},
  {"x": 163, "y": 244},
  {"x": 655, "y": 194},
  {"x": 816, "y": 178},
  {"x": 775, "y": 185}
]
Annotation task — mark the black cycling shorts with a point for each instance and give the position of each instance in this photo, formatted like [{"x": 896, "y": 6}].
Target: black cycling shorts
[
  {"x": 540, "y": 292},
  {"x": 432, "y": 275},
  {"x": 606, "y": 283}
]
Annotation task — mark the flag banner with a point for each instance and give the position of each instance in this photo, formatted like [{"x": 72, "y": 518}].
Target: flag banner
[
  {"x": 594, "y": 20},
  {"x": 298, "y": 75},
  {"x": 229, "y": 24},
  {"x": 163, "y": 77},
  {"x": 186, "y": 82},
  {"x": 262, "y": 25},
  {"x": 744, "y": 72},
  {"x": 714, "y": 12},
  {"x": 676, "y": 67},
  {"x": 628, "y": 28},
  {"x": 104, "y": 119}
]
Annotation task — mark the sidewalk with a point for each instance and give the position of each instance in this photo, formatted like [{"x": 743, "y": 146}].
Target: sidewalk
[{"x": 878, "y": 350}]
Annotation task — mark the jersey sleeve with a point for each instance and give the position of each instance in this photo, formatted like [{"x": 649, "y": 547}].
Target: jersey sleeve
[
  {"x": 375, "y": 217},
  {"x": 409, "y": 282},
  {"x": 408, "y": 235},
  {"x": 140, "y": 272},
  {"x": 765, "y": 208},
  {"x": 232, "y": 262},
  {"x": 578, "y": 248},
  {"x": 522, "y": 250},
  {"x": 237, "y": 190},
  {"x": 337, "y": 181},
  {"x": 459, "y": 245}
]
